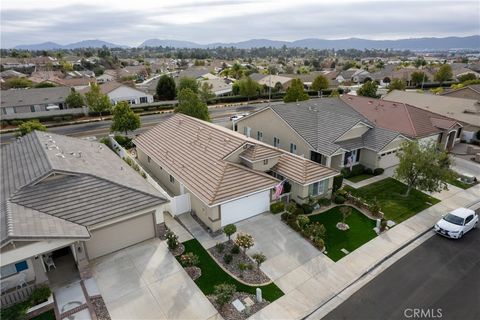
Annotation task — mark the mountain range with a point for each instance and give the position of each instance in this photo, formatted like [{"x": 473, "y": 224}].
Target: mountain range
[{"x": 415, "y": 44}]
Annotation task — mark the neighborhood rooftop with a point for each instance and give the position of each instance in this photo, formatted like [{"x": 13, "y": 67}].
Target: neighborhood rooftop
[{"x": 26, "y": 97}]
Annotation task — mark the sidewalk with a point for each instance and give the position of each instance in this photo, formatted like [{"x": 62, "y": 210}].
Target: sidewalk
[
  {"x": 386, "y": 174},
  {"x": 317, "y": 284}
]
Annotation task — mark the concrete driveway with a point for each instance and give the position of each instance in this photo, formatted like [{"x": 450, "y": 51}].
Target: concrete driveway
[{"x": 146, "y": 282}]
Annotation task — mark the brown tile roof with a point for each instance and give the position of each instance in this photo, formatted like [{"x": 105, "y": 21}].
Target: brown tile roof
[
  {"x": 404, "y": 118},
  {"x": 301, "y": 170},
  {"x": 259, "y": 152},
  {"x": 195, "y": 153}
]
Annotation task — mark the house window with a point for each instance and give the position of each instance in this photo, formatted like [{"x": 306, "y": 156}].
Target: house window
[
  {"x": 317, "y": 188},
  {"x": 276, "y": 142},
  {"x": 172, "y": 179},
  {"x": 259, "y": 135},
  {"x": 265, "y": 162},
  {"x": 32, "y": 108},
  {"x": 354, "y": 155},
  {"x": 13, "y": 268},
  {"x": 247, "y": 131},
  {"x": 459, "y": 133},
  {"x": 143, "y": 100},
  {"x": 293, "y": 148},
  {"x": 357, "y": 159},
  {"x": 148, "y": 159}
]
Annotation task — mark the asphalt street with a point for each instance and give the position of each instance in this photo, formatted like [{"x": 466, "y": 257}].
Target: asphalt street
[
  {"x": 440, "y": 279},
  {"x": 102, "y": 128}
]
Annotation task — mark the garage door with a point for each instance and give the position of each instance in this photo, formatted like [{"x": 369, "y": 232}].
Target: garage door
[
  {"x": 388, "y": 160},
  {"x": 244, "y": 208},
  {"x": 120, "y": 235}
]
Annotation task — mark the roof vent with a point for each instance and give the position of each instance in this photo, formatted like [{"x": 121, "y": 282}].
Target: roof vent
[{"x": 60, "y": 155}]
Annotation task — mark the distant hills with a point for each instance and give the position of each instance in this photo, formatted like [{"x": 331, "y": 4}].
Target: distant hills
[{"x": 415, "y": 44}]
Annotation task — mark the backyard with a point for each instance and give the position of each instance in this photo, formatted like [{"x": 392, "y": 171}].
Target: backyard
[
  {"x": 390, "y": 193},
  {"x": 213, "y": 274},
  {"x": 360, "y": 232}
]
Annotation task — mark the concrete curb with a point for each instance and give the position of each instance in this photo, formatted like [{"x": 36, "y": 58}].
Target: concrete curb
[{"x": 474, "y": 204}]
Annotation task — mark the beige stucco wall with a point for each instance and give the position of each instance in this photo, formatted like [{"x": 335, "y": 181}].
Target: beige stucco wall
[
  {"x": 369, "y": 158},
  {"x": 209, "y": 215},
  {"x": 272, "y": 126},
  {"x": 162, "y": 175},
  {"x": 299, "y": 193},
  {"x": 336, "y": 161},
  {"x": 260, "y": 165}
]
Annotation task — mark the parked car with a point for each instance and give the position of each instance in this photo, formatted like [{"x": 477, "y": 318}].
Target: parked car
[
  {"x": 456, "y": 223},
  {"x": 238, "y": 116}
]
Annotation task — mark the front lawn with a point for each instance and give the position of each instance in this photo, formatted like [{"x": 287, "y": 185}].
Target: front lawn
[
  {"x": 390, "y": 194},
  {"x": 360, "y": 177},
  {"x": 212, "y": 275},
  {"x": 457, "y": 183},
  {"x": 360, "y": 232}
]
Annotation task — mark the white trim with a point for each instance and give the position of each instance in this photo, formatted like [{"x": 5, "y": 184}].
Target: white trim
[
  {"x": 240, "y": 197},
  {"x": 352, "y": 127}
]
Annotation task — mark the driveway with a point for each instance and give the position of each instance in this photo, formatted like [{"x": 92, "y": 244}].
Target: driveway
[{"x": 146, "y": 282}]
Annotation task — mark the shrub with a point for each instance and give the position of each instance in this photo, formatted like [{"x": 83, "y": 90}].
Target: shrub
[
  {"x": 245, "y": 241},
  {"x": 291, "y": 207},
  {"x": 172, "y": 240},
  {"x": 368, "y": 171},
  {"x": 242, "y": 267},
  {"x": 235, "y": 250},
  {"x": 307, "y": 208},
  {"x": 284, "y": 216},
  {"x": 224, "y": 293},
  {"x": 298, "y": 211},
  {"x": 302, "y": 221},
  {"x": 40, "y": 295},
  {"x": 342, "y": 192},
  {"x": 358, "y": 169},
  {"x": 346, "y": 172},
  {"x": 16, "y": 122},
  {"x": 229, "y": 229},
  {"x": 337, "y": 182},
  {"x": 378, "y": 171},
  {"x": 277, "y": 207},
  {"x": 374, "y": 207},
  {"x": 383, "y": 225},
  {"x": 339, "y": 199},
  {"x": 259, "y": 258},
  {"x": 125, "y": 142},
  {"x": 189, "y": 259},
  {"x": 319, "y": 243},
  {"x": 227, "y": 258},
  {"x": 220, "y": 247},
  {"x": 324, "y": 202}
]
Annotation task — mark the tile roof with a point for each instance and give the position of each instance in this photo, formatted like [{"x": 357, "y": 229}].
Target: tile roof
[
  {"x": 196, "y": 152},
  {"x": 28, "y": 97},
  {"x": 68, "y": 185},
  {"x": 258, "y": 152}
]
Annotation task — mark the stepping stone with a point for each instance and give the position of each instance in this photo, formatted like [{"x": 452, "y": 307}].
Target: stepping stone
[
  {"x": 238, "y": 305},
  {"x": 248, "y": 302},
  {"x": 390, "y": 223},
  {"x": 345, "y": 251}
]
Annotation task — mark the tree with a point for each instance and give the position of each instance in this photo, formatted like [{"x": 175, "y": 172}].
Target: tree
[
  {"x": 444, "y": 73},
  {"x": 166, "y": 88},
  {"x": 188, "y": 83},
  {"x": 259, "y": 258},
  {"x": 17, "y": 83},
  {"x": 418, "y": 77},
  {"x": 223, "y": 293},
  {"x": 229, "y": 229},
  {"x": 320, "y": 83},
  {"x": 278, "y": 87},
  {"x": 29, "y": 126},
  {"x": 206, "y": 92},
  {"x": 235, "y": 88},
  {"x": 96, "y": 100},
  {"x": 124, "y": 119},
  {"x": 245, "y": 241},
  {"x": 248, "y": 87},
  {"x": 295, "y": 92},
  {"x": 45, "y": 84},
  {"x": 397, "y": 84},
  {"x": 75, "y": 100},
  {"x": 190, "y": 104},
  {"x": 368, "y": 89},
  {"x": 423, "y": 166},
  {"x": 467, "y": 77},
  {"x": 346, "y": 211}
]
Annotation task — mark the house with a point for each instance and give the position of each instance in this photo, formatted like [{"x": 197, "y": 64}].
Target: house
[
  {"x": 272, "y": 80},
  {"x": 105, "y": 78},
  {"x": 466, "y": 111},
  {"x": 8, "y": 74},
  {"x": 33, "y": 100},
  {"x": 469, "y": 92},
  {"x": 326, "y": 131},
  {"x": 119, "y": 92},
  {"x": 410, "y": 121},
  {"x": 226, "y": 176},
  {"x": 218, "y": 86},
  {"x": 66, "y": 201},
  {"x": 460, "y": 69}
]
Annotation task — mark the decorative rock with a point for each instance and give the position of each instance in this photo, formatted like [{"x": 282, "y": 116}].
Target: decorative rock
[
  {"x": 248, "y": 302},
  {"x": 345, "y": 251},
  {"x": 342, "y": 226},
  {"x": 259, "y": 295},
  {"x": 390, "y": 223},
  {"x": 238, "y": 305}
]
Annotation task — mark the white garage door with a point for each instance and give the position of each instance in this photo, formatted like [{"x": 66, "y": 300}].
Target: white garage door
[
  {"x": 244, "y": 208},
  {"x": 120, "y": 235},
  {"x": 388, "y": 160}
]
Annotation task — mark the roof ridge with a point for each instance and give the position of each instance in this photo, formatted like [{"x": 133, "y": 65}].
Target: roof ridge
[
  {"x": 215, "y": 191},
  {"x": 410, "y": 119}
]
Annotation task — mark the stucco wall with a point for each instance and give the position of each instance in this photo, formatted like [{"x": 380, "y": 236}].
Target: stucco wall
[
  {"x": 159, "y": 173},
  {"x": 369, "y": 158},
  {"x": 127, "y": 93}
]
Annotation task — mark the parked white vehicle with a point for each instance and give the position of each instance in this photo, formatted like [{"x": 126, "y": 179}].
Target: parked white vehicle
[
  {"x": 238, "y": 116},
  {"x": 456, "y": 223}
]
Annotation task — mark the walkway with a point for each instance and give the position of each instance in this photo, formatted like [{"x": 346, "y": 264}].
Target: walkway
[
  {"x": 177, "y": 228},
  {"x": 315, "y": 282},
  {"x": 386, "y": 174},
  {"x": 74, "y": 301}
]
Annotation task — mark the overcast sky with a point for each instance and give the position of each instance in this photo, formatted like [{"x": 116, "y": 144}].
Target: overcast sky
[{"x": 206, "y": 21}]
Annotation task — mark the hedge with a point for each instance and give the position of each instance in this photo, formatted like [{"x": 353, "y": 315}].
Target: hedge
[{"x": 277, "y": 207}]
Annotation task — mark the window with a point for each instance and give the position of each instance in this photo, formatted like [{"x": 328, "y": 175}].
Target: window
[
  {"x": 276, "y": 142},
  {"x": 358, "y": 155},
  {"x": 32, "y": 108},
  {"x": 468, "y": 219},
  {"x": 293, "y": 148},
  {"x": 148, "y": 159},
  {"x": 172, "y": 179},
  {"x": 459, "y": 133},
  {"x": 143, "y": 100},
  {"x": 265, "y": 162},
  {"x": 259, "y": 135},
  {"x": 247, "y": 131},
  {"x": 317, "y": 188},
  {"x": 13, "y": 268}
]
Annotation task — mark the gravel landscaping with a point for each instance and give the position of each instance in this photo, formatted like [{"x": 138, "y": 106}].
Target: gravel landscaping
[
  {"x": 100, "y": 308},
  {"x": 229, "y": 312},
  {"x": 193, "y": 272},
  {"x": 251, "y": 275},
  {"x": 180, "y": 249}
]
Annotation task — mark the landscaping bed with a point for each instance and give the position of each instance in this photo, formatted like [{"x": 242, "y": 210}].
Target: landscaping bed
[
  {"x": 48, "y": 315},
  {"x": 228, "y": 311},
  {"x": 213, "y": 274},
  {"x": 229, "y": 252},
  {"x": 100, "y": 308},
  {"x": 360, "y": 231},
  {"x": 390, "y": 194}
]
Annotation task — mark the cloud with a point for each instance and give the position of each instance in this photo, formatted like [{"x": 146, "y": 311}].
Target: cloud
[{"x": 232, "y": 20}]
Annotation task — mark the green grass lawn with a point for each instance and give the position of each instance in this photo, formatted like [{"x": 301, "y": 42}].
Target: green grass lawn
[
  {"x": 212, "y": 275},
  {"x": 390, "y": 193},
  {"x": 360, "y": 177},
  {"x": 457, "y": 183},
  {"x": 360, "y": 232}
]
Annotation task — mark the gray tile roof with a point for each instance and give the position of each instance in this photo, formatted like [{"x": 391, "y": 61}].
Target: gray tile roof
[
  {"x": 29, "y": 97},
  {"x": 321, "y": 121},
  {"x": 79, "y": 183}
]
